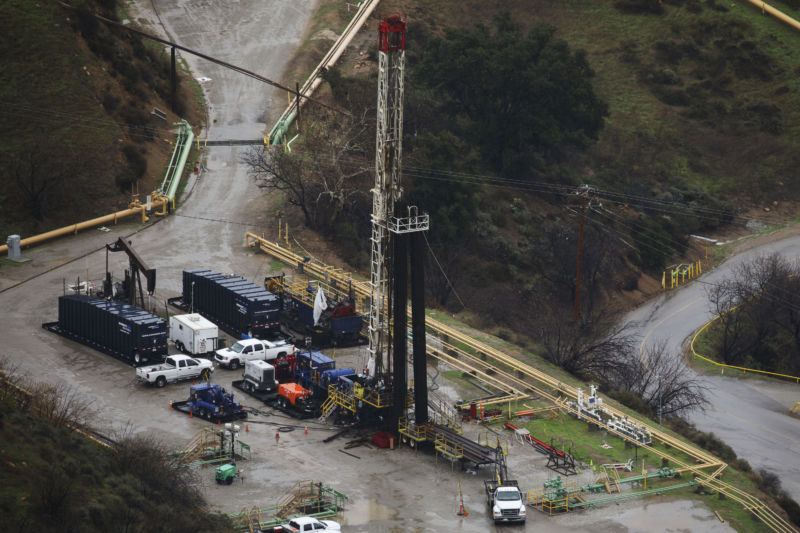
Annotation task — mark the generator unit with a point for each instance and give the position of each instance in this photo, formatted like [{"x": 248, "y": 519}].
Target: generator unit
[{"x": 258, "y": 379}]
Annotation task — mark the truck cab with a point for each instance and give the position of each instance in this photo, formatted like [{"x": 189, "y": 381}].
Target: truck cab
[
  {"x": 505, "y": 501},
  {"x": 243, "y": 350}
]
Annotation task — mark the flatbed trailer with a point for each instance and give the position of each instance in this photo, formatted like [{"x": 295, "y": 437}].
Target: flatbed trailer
[
  {"x": 185, "y": 407},
  {"x": 211, "y": 402},
  {"x": 271, "y": 399}
]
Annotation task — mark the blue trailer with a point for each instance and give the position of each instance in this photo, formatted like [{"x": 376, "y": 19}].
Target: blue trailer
[
  {"x": 211, "y": 402},
  {"x": 236, "y": 305},
  {"x": 337, "y": 325}
]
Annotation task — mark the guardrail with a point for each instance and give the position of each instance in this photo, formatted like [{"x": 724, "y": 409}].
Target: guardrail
[{"x": 742, "y": 369}]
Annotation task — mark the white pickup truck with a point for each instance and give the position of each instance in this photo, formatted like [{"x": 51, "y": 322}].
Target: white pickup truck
[
  {"x": 252, "y": 350},
  {"x": 175, "y": 368}
]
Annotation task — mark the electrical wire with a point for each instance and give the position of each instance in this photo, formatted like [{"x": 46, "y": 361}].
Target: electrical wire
[
  {"x": 96, "y": 124},
  {"x": 463, "y": 305},
  {"x": 646, "y": 233}
]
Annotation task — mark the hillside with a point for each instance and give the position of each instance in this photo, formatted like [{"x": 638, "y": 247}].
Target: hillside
[
  {"x": 55, "y": 479},
  {"x": 699, "y": 135},
  {"x": 75, "y": 114}
]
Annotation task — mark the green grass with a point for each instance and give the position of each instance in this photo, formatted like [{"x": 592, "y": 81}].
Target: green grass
[
  {"x": 275, "y": 265},
  {"x": 197, "y": 89},
  {"x": 705, "y": 345},
  {"x": 570, "y": 434}
]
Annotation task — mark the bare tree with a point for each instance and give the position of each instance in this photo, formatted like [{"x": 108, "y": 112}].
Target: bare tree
[
  {"x": 759, "y": 314},
  {"x": 329, "y": 166},
  {"x": 732, "y": 340},
  {"x": 38, "y": 177},
  {"x": 589, "y": 349},
  {"x": 60, "y": 404},
  {"x": 662, "y": 380},
  {"x": 555, "y": 256}
]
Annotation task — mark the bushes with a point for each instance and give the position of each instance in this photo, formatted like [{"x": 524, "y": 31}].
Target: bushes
[
  {"x": 54, "y": 479},
  {"x": 639, "y": 7},
  {"x": 767, "y": 481},
  {"x": 706, "y": 440}
]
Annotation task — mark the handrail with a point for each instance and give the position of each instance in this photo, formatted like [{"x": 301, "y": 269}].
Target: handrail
[{"x": 560, "y": 390}]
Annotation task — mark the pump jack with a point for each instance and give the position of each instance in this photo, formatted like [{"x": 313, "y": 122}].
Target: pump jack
[{"x": 132, "y": 275}]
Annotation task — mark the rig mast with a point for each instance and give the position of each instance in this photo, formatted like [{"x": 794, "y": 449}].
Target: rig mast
[{"x": 388, "y": 156}]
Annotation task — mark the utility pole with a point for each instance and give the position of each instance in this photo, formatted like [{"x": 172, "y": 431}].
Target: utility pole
[{"x": 583, "y": 194}]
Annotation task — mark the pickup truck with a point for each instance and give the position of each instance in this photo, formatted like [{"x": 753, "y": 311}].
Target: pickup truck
[
  {"x": 505, "y": 501},
  {"x": 175, "y": 368},
  {"x": 252, "y": 350},
  {"x": 308, "y": 523}
]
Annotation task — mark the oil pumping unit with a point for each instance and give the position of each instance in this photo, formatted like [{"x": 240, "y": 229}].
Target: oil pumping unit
[{"x": 127, "y": 290}]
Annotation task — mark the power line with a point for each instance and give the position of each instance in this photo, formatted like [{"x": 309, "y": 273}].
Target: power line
[{"x": 208, "y": 58}]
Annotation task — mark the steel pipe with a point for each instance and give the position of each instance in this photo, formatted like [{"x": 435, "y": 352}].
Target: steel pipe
[
  {"x": 780, "y": 15},
  {"x": 134, "y": 209}
]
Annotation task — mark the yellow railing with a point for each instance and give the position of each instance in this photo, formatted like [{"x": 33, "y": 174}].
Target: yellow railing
[
  {"x": 742, "y": 369},
  {"x": 675, "y": 276}
]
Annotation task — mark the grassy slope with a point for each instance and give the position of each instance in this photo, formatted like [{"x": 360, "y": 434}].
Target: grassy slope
[
  {"x": 76, "y": 105},
  {"x": 43, "y": 92},
  {"x": 55, "y": 479}
]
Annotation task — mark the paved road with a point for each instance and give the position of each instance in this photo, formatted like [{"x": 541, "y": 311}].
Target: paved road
[{"x": 748, "y": 414}]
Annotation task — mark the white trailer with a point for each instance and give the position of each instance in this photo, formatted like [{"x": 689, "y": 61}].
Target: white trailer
[{"x": 194, "y": 334}]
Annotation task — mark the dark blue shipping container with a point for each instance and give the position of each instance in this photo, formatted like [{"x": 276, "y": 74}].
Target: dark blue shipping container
[
  {"x": 113, "y": 327},
  {"x": 233, "y": 303}
]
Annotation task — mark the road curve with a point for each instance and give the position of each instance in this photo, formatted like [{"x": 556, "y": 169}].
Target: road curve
[{"x": 748, "y": 414}]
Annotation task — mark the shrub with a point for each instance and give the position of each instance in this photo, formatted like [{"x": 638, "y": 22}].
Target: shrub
[
  {"x": 639, "y": 7},
  {"x": 136, "y": 162},
  {"x": 110, "y": 102}
]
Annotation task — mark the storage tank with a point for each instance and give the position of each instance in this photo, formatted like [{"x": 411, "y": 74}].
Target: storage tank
[
  {"x": 235, "y": 304},
  {"x": 113, "y": 327}
]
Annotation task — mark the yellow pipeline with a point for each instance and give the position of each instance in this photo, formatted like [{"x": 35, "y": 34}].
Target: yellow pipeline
[
  {"x": 135, "y": 208},
  {"x": 780, "y": 15}
]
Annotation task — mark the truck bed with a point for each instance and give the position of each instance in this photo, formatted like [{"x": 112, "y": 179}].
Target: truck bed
[{"x": 491, "y": 485}]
